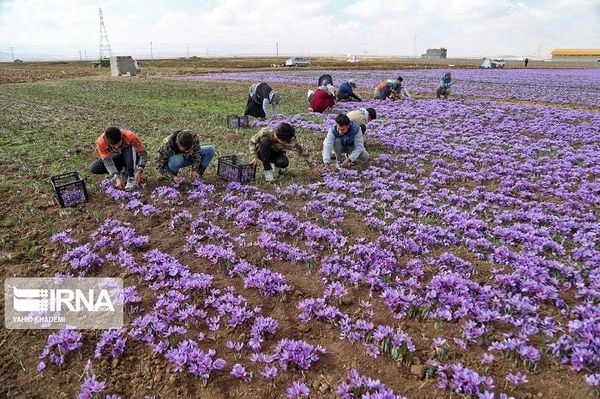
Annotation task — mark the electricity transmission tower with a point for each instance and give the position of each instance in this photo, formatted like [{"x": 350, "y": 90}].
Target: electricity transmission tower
[{"x": 104, "y": 43}]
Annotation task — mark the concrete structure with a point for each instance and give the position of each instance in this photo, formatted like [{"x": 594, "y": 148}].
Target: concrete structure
[
  {"x": 435, "y": 53},
  {"x": 123, "y": 65},
  {"x": 576, "y": 55}
]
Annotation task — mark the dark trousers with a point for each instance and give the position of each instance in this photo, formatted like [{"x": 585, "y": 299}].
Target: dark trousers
[
  {"x": 124, "y": 160},
  {"x": 254, "y": 109},
  {"x": 268, "y": 156},
  {"x": 442, "y": 91}
]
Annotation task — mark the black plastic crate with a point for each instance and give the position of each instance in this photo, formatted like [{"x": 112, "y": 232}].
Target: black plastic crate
[
  {"x": 69, "y": 189},
  {"x": 230, "y": 168},
  {"x": 236, "y": 122}
]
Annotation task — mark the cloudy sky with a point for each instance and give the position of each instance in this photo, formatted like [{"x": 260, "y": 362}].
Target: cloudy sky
[{"x": 69, "y": 29}]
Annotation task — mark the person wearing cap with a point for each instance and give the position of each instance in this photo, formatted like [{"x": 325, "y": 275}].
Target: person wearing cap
[
  {"x": 391, "y": 90},
  {"x": 444, "y": 87},
  {"x": 321, "y": 100},
  {"x": 260, "y": 96},
  {"x": 180, "y": 149},
  {"x": 269, "y": 146},
  {"x": 122, "y": 156},
  {"x": 345, "y": 137},
  {"x": 346, "y": 93}
]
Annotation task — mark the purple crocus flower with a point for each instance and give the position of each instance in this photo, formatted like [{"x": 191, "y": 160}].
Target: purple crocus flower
[{"x": 297, "y": 390}]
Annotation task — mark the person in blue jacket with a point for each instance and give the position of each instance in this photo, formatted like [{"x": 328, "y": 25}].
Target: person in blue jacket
[
  {"x": 345, "y": 137},
  {"x": 345, "y": 92},
  {"x": 444, "y": 87}
]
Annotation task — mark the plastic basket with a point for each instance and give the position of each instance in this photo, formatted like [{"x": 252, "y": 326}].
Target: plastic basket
[
  {"x": 236, "y": 122},
  {"x": 230, "y": 169},
  {"x": 69, "y": 189}
]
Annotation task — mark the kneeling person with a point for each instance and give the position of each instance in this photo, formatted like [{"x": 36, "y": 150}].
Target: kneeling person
[
  {"x": 344, "y": 137},
  {"x": 121, "y": 154},
  {"x": 180, "y": 149},
  {"x": 269, "y": 146}
]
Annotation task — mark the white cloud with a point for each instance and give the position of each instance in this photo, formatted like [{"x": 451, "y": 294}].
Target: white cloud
[{"x": 230, "y": 27}]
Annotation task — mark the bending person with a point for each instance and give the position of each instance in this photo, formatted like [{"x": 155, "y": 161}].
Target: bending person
[{"x": 260, "y": 96}]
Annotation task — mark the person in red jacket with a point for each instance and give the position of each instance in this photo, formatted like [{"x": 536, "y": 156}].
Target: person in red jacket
[
  {"x": 321, "y": 100},
  {"x": 122, "y": 153}
]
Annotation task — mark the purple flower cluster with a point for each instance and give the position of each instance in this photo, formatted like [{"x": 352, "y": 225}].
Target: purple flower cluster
[
  {"x": 113, "y": 233},
  {"x": 360, "y": 386},
  {"x": 130, "y": 200},
  {"x": 64, "y": 237},
  {"x": 239, "y": 372},
  {"x": 580, "y": 346},
  {"x": 297, "y": 390},
  {"x": 514, "y": 347},
  {"x": 92, "y": 388},
  {"x": 463, "y": 381},
  {"x": 111, "y": 342},
  {"x": 82, "y": 259},
  {"x": 188, "y": 356},
  {"x": 298, "y": 353},
  {"x": 58, "y": 346}
]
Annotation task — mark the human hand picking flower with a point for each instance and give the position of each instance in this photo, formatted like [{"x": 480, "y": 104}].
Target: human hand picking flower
[{"x": 138, "y": 175}]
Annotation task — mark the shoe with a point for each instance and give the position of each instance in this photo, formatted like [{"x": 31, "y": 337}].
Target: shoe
[
  {"x": 275, "y": 171},
  {"x": 130, "y": 184},
  {"x": 269, "y": 176},
  {"x": 332, "y": 156},
  {"x": 338, "y": 166}
]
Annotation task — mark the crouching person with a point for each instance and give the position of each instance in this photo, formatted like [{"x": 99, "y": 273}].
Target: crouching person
[
  {"x": 122, "y": 156},
  {"x": 269, "y": 146},
  {"x": 345, "y": 137},
  {"x": 180, "y": 149},
  {"x": 260, "y": 97}
]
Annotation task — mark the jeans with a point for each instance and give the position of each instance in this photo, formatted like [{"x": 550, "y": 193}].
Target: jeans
[
  {"x": 339, "y": 149},
  {"x": 178, "y": 161}
]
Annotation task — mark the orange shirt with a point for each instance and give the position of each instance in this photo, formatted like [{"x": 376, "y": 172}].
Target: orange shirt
[{"x": 106, "y": 150}]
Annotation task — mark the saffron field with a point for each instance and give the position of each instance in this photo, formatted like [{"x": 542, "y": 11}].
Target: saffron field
[{"x": 461, "y": 262}]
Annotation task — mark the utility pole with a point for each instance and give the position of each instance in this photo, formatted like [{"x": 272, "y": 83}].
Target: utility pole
[
  {"x": 188, "y": 51},
  {"x": 11, "y": 53},
  {"x": 415, "y": 45},
  {"x": 151, "y": 54},
  {"x": 276, "y": 50},
  {"x": 80, "y": 59}
]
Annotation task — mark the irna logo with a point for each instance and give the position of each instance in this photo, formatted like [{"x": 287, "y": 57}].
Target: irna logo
[
  {"x": 61, "y": 299},
  {"x": 60, "y": 302}
]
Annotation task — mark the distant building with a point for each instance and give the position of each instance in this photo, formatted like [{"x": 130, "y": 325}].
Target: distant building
[
  {"x": 576, "y": 55},
  {"x": 435, "y": 53}
]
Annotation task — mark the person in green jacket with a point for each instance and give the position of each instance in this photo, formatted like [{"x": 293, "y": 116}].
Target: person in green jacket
[{"x": 269, "y": 146}]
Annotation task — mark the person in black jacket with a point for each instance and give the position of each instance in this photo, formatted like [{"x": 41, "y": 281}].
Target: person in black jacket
[{"x": 260, "y": 96}]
